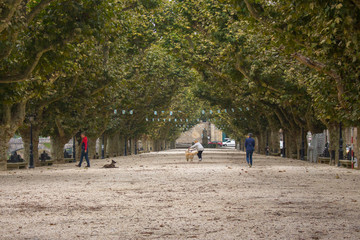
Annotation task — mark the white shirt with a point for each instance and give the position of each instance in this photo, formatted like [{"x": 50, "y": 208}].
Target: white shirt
[{"x": 198, "y": 146}]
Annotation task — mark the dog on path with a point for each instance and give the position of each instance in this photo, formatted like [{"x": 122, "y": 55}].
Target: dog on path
[
  {"x": 111, "y": 165},
  {"x": 189, "y": 155}
]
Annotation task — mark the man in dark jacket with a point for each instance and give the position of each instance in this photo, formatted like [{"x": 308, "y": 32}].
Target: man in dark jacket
[
  {"x": 250, "y": 147},
  {"x": 84, "y": 150}
]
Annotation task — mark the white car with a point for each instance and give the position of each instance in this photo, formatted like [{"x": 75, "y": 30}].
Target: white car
[{"x": 229, "y": 143}]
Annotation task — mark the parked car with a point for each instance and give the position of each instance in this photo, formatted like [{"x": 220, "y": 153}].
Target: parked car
[
  {"x": 229, "y": 143},
  {"x": 216, "y": 143}
]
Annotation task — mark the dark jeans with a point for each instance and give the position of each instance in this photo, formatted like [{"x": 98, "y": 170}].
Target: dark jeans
[
  {"x": 84, "y": 154},
  {"x": 200, "y": 154},
  {"x": 249, "y": 157}
]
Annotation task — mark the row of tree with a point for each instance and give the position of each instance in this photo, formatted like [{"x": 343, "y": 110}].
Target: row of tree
[
  {"x": 69, "y": 63},
  {"x": 294, "y": 64}
]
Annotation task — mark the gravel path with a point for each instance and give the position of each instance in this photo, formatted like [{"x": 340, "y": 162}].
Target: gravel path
[{"x": 161, "y": 196}]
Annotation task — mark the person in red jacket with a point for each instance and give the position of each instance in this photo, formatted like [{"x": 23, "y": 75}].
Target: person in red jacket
[{"x": 84, "y": 150}]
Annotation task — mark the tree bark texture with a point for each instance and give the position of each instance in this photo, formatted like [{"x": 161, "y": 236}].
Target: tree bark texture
[
  {"x": 334, "y": 142},
  {"x": 57, "y": 147},
  {"x": 11, "y": 119},
  {"x": 91, "y": 147}
]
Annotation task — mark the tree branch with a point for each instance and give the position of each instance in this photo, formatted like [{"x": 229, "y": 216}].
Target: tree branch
[
  {"x": 28, "y": 18},
  {"x": 322, "y": 68},
  {"x": 18, "y": 115},
  {"x": 7, "y": 51},
  {"x": 60, "y": 128},
  {"x": 4, "y": 22},
  {"x": 243, "y": 71},
  {"x": 132, "y": 6},
  {"x": 37, "y": 9},
  {"x": 25, "y": 75},
  {"x": 357, "y": 3}
]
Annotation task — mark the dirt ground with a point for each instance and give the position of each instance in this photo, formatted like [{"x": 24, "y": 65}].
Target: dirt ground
[{"x": 161, "y": 196}]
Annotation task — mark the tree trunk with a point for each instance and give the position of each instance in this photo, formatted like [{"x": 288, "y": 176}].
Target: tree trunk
[
  {"x": 125, "y": 144},
  {"x": 99, "y": 147},
  {"x": 274, "y": 141},
  {"x": 334, "y": 143},
  {"x": 147, "y": 143},
  {"x": 162, "y": 145},
  {"x": 12, "y": 118},
  {"x": 112, "y": 142},
  {"x": 57, "y": 147},
  {"x": 296, "y": 138},
  {"x": 173, "y": 144},
  {"x": 287, "y": 145},
  {"x": 105, "y": 145},
  {"x": 132, "y": 146},
  {"x": 262, "y": 142},
  {"x": 92, "y": 147},
  {"x": 298, "y": 146},
  {"x": 78, "y": 150},
  {"x": 154, "y": 145},
  {"x": 256, "y": 144},
  {"x": 4, "y": 146},
  {"x": 293, "y": 147},
  {"x": 121, "y": 145},
  {"x": 357, "y": 145}
]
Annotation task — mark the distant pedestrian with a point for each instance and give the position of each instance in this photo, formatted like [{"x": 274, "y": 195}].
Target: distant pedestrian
[
  {"x": 199, "y": 148},
  {"x": 250, "y": 147},
  {"x": 84, "y": 150}
]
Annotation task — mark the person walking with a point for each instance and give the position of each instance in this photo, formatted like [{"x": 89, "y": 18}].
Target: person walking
[
  {"x": 84, "y": 150},
  {"x": 250, "y": 147},
  {"x": 199, "y": 149}
]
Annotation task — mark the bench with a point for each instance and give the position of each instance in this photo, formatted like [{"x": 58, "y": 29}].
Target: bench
[
  {"x": 68, "y": 160},
  {"x": 274, "y": 154},
  {"x": 47, "y": 163},
  {"x": 345, "y": 163},
  {"x": 324, "y": 160},
  {"x": 18, "y": 165}
]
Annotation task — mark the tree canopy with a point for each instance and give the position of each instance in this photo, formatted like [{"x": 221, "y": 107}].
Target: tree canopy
[{"x": 266, "y": 65}]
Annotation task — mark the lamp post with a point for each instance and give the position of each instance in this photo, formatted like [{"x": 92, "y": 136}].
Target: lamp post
[
  {"x": 31, "y": 162},
  {"x": 135, "y": 144},
  {"x": 74, "y": 149},
  {"x": 102, "y": 147},
  {"x": 302, "y": 152},
  {"x": 267, "y": 143},
  {"x": 341, "y": 151},
  {"x": 284, "y": 151},
  {"x": 125, "y": 146}
]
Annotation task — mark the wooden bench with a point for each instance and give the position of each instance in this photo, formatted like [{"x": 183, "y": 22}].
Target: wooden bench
[
  {"x": 324, "y": 160},
  {"x": 345, "y": 163},
  {"x": 274, "y": 154},
  {"x": 68, "y": 160},
  {"x": 47, "y": 163},
  {"x": 18, "y": 165}
]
